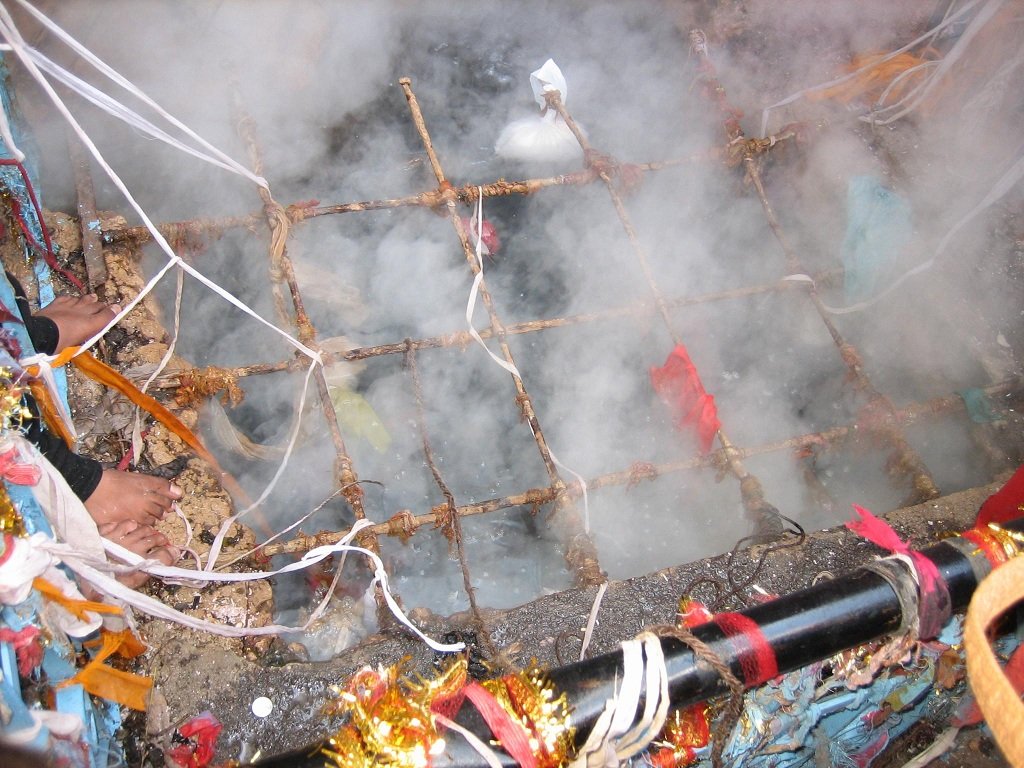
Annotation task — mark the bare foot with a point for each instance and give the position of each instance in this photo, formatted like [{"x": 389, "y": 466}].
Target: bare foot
[
  {"x": 78, "y": 318},
  {"x": 144, "y": 541},
  {"x": 123, "y": 496}
]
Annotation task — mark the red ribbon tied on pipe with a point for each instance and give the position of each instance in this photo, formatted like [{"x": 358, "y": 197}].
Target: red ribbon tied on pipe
[
  {"x": 679, "y": 387},
  {"x": 934, "y": 607}
]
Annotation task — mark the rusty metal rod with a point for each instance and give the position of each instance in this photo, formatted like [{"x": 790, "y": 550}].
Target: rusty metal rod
[
  {"x": 280, "y": 260},
  {"x": 904, "y": 457},
  {"x": 433, "y": 198},
  {"x": 462, "y": 339},
  {"x": 763, "y": 515},
  {"x": 404, "y": 523},
  {"x": 581, "y": 554},
  {"x": 88, "y": 221}
]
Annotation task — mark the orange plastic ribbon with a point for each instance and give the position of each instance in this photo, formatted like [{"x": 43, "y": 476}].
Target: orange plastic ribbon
[
  {"x": 77, "y": 608},
  {"x": 879, "y": 73},
  {"x": 124, "y": 688},
  {"x": 102, "y": 373},
  {"x": 49, "y": 411}
]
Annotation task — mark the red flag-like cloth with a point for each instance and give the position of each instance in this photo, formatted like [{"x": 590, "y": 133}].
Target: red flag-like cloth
[
  {"x": 1006, "y": 504},
  {"x": 678, "y": 385}
]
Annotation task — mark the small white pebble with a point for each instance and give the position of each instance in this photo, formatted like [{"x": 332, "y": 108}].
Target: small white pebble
[{"x": 262, "y": 706}]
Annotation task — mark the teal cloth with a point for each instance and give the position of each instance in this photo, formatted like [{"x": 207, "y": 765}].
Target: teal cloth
[
  {"x": 979, "y": 406},
  {"x": 878, "y": 230}
]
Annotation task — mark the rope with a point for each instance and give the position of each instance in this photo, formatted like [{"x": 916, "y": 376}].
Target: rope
[{"x": 734, "y": 708}]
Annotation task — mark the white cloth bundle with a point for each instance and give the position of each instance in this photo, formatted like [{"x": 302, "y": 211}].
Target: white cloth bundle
[{"x": 544, "y": 137}]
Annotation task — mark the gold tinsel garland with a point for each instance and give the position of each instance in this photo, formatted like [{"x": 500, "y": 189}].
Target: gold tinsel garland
[
  {"x": 390, "y": 717},
  {"x": 13, "y": 412},
  {"x": 13, "y": 415}
]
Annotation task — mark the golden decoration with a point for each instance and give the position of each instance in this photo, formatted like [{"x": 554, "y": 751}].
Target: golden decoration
[
  {"x": 529, "y": 698},
  {"x": 686, "y": 732},
  {"x": 390, "y": 721},
  {"x": 390, "y": 717},
  {"x": 10, "y": 521},
  {"x": 13, "y": 413},
  {"x": 1011, "y": 542}
]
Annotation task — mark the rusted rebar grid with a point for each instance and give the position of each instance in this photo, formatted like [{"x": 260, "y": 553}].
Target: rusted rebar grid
[
  {"x": 763, "y": 515},
  {"x": 904, "y": 459},
  {"x": 212, "y": 379},
  {"x": 433, "y": 198},
  {"x": 281, "y": 263},
  {"x": 451, "y": 525},
  {"x": 404, "y": 523},
  {"x": 580, "y": 552}
]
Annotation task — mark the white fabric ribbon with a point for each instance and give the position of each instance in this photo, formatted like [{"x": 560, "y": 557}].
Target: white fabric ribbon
[
  {"x": 30, "y": 558},
  {"x": 471, "y": 306},
  {"x": 216, "y": 156},
  {"x": 618, "y": 734}
]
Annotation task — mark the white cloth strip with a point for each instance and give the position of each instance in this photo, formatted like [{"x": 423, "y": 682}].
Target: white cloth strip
[
  {"x": 122, "y": 81},
  {"x": 656, "y": 701},
  {"x": 7, "y": 135},
  {"x": 136, "y": 446},
  {"x": 880, "y": 103},
  {"x": 823, "y": 86},
  {"x": 470, "y": 308},
  {"x": 592, "y": 619},
  {"x": 11, "y": 33},
  {"x": 475, "y": 290},
  {"x": 116, "y": 109},
  {"x": 612, "y": 739},
  {"x": 97, "y": 574},
  {"x": 580, "y": 480},
  {"x": 287, "y": 530},
  {"x": 628, "y": 696},
  {"x": 485, "y": 752},
  {"x": 918, "y": 94}
]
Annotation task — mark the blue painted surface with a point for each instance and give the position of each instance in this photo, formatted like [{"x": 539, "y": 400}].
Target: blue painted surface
[{"x": 101, "y": 721}]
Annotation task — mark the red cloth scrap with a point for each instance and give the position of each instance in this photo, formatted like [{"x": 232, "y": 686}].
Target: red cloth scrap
[
  {"x": 27, "y": 645},
  {"x": 1004, "y": 505},
  {"x": 934, "y": 601},
  {"x": 202, "y": 731},
  {"x": 15, "y": 472},
  {"x": 679, "y": 387}
]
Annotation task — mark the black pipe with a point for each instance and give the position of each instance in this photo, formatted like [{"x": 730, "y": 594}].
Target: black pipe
[{"x": 801, "y": 628}]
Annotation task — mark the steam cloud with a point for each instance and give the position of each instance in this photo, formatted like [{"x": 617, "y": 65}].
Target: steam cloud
[{"x": 320, "y": 79}]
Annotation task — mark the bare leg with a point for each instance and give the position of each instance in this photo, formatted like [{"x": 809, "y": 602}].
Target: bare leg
[
  {"x": 144, "y": 541},
  {"x": 124, "y": 496}
]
